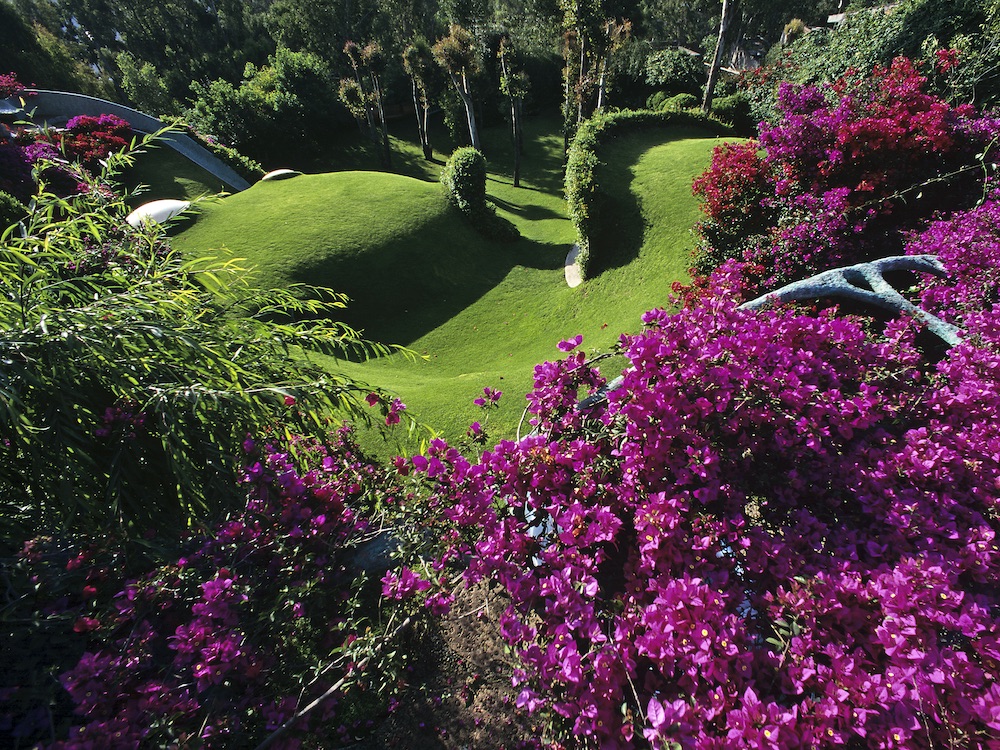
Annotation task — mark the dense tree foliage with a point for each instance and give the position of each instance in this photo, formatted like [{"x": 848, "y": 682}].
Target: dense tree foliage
[
  {"x": 183, "y": 40},
  {"x": 916, "y": 29}
]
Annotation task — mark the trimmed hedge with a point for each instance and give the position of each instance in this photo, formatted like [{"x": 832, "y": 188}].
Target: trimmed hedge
[
  {"x": 464, "y": 181},
  {"x": 587, "y": 203},
  {"x": 247, "y": 168},
  {"x": 678, "y": 102},
  {"x": 735, "y": 110}
]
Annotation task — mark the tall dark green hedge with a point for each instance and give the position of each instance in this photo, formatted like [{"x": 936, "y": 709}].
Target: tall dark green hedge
[{"x": 464, "y": 181}]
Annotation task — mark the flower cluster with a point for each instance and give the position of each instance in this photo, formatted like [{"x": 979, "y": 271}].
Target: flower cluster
[
  {"x": 122, "y": 419},
  {"x": 847, "y": 170},
  {"x": 260, "y": 617},
  {"x": 780, "y": 531},
  {"x": 85, "y": 139},
  {"x": 10, "y": 85},
  {"x": 88, "y": 139}
]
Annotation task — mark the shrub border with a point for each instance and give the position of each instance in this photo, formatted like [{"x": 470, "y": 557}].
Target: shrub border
[{"x": 583, "y": 160}]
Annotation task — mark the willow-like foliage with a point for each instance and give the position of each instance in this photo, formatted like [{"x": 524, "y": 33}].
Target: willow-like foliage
[{"x": 130, "y": 375}]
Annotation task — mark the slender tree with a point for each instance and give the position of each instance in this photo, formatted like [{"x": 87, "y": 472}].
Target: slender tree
[
  {"x": 417, "y": 62},
  {"x": 730, "y": 12},
  {"x": 616, "y": 33},
  {"x": 353, "y": 52},
  {"x": 585, "y": 45},
  {"x": 514, "y": 85},
  {"x": 371, "y": 56},
  {"x": 457, "y": 55},
  {"x": 365, "y": 62}
]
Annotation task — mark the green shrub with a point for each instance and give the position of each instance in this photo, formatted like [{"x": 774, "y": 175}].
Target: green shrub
[
  {"x": 679, "y": 102},
  {"x": 793, "y": 30},
  {"x": 586, "y": 202},
  {"x": 655, "y": 101},
  {"x": 464, "y": 181},
  {"x": 244, "y": 166},
  {"x": 279, "y": 114},
  {"x": 735, "y": 109},
  {"x": 675, "y": 71},
  {"x": 11, "y": 210}
]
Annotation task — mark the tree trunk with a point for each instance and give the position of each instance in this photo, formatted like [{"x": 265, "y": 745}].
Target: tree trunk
[
  {"x": 421, "y": 124},
  {"x": 462, "y": 86},
  {"x": 600, "y": 85},
  {"x": 515, "y": 120},
  {"x": 386, "y": 151},
  {"x": 729, "y": 10},
  {"x": 428, "y": 151},
  {"x": 368, "y": 107}
]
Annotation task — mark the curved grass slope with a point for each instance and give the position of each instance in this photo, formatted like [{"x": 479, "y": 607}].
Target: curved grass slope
[
  {"x": 483, "y": 313},
  {"x": 167, "y": 174},
  {"x": 497, "y": 340},
  {"x": 392, "y": 244}
]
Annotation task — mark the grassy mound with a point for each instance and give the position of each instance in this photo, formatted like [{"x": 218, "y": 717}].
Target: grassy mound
[
  {"x": 497, "y": 340},
  {"x": 165, "y": 173},
  {"x": 482, "y": 313},
  {"x": 406, "y": 259}
]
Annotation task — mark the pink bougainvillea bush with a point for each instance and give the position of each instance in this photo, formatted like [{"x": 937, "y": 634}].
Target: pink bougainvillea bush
[
  {"x": 845, "y": 172},
  {"x": 263, "y": 615},
  {"x": 780, "y": 531},
  {"x": 86, "y": 140},
  {"x": 9, "y": 85}
]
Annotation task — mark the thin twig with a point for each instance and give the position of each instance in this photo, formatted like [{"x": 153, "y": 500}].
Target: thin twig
[{"x": 332, "y": 690}]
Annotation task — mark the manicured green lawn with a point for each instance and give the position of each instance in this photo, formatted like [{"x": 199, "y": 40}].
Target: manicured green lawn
[
  {"x": 481, "y": 313},
  {"x": 497, "y": 340}
]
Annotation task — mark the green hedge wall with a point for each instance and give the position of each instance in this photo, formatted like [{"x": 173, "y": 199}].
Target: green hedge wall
[{"x": 586, "y": 201}]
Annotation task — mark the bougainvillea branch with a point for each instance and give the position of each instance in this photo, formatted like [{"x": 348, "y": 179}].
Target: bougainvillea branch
[{"x": 334, "y": 689}]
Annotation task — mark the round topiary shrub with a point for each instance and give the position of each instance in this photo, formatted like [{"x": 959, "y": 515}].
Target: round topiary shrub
[
  {"x": 656, "y": 100},
  {"x": 735, "y": 109},
  {"x": 678, "y": 102},
  {"x": 464, "y": 180}
]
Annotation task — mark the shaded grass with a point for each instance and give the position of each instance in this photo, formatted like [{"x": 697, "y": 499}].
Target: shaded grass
[
  {"x": 497, "y": 340},
  {"x": 168, "y": 174}
]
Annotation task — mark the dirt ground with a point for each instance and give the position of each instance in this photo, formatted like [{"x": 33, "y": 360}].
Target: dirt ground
[{"x": 459, "y": 694}]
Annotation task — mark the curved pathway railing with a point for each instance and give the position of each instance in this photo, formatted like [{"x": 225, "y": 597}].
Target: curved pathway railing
[{"x": 53, "y": 106}]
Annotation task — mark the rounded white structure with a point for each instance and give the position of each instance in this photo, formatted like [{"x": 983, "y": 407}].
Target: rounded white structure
[
  {"x": 159, "y": 211},
  {"x": 279, "y": 174}
]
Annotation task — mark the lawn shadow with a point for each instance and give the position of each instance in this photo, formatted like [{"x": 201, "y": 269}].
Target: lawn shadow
[
  {"x": 530, "y": 212},
  {"x": 620, "y": 221},
  {"x": 402, "y": 292}
]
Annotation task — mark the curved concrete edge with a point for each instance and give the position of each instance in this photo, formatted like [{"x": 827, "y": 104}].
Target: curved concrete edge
[
  {"x": 50, "y": 106},
  {"x": 572, "y": 269},
  {"x": 280, "y": 174}
]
